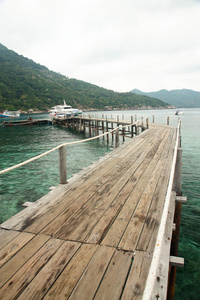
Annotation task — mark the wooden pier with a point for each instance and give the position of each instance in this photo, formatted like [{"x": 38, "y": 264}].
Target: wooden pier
[
  {"x": 106, "y": 234},
  {"x": 94, "y": 125}
]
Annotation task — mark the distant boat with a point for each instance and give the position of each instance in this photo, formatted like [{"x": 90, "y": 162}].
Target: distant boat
[
  {"x": 179, "y": 112},
  {"x": 64, "y": 110},
  {"x": 9, "y": 114}
]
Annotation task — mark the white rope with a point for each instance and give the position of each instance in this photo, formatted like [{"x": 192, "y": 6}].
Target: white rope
[{"x": 59, "y": 146}]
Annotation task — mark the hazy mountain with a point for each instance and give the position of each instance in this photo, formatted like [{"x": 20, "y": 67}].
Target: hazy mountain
[
  {"x": 177, "y": 98},
  {"x": 25, "y": 84}
]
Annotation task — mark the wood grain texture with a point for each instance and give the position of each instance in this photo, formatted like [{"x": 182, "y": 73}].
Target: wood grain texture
[{"x": 94, "y": 237}]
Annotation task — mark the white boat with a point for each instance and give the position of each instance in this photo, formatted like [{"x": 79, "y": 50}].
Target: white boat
[
  {"x": 64, "y": 110},
  {"x": 179, "y": 112},
  {"x": 9, "y": 114}
]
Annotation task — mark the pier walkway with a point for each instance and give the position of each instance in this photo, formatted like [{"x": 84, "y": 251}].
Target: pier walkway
[{"x": 95, "y": 237}]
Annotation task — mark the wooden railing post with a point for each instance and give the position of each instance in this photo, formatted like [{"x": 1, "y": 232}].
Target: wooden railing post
[
  {"x": 107, "y": 128},
  {"x": 63, "y": 164},
  {"x": 168, "y": 120},
  {"x": 131, "y": 126},
  {"x": 117, "y": 137},
  {"x": 147, "y": 123}
]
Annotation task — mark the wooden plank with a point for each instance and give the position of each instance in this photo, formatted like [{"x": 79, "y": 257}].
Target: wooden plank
[
  {"x": 115, "y": 277},
  {"x": 46, "y": 277},
  {"x": 78, "y": 225},
  {"x": 176, "y": 261},
  {"x": 6, "y": 236},
  {"x": 20, "y": 258},
  {"x": 37, "y": 218},
  {"x": 148, "y": 237},
  {"x": 20, "y": 280},
  {"x": 91, "y": 278},
  {"x": 27, "y": 203},
  {"x": 133, "y": 176},
  {"x": 14, "y": 246},
  {"x": 135, "y": 226},
  {"x": 111, "y": 203},
  {"x": 181, "y": 199},
  {"x": 66, "y": 282},
  {"x": 137, "y": 277},
  {"x": 115, "y": 233},
  {"x": 115, "y": 171}
]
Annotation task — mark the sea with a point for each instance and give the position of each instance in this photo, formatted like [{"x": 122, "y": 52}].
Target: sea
[{"x": 32, "y": 181}]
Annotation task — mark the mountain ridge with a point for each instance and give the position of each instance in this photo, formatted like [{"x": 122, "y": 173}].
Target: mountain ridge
[{"x": 180, "y": 98}]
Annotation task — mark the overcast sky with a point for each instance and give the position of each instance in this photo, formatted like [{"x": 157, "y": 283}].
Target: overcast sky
[{"x": 115, "y": 44}]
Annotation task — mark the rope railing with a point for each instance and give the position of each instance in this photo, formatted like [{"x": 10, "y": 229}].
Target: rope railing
[{"x": 62, "y": 152}]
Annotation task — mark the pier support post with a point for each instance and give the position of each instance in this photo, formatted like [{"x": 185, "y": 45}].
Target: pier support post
[
  {"x": 90, "y": 131},
  {"x": 147, "y": 123},
  {"x": 168, "y": 120},
  {"x": 107, "y": 128},
  {"x": 63, "y": 165},
  {"x": 116, "y": 137},
  {"x": 131, "y": 126}
]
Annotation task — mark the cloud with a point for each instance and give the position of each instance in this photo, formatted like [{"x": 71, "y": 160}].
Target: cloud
[{"x": 115, "y": 44}]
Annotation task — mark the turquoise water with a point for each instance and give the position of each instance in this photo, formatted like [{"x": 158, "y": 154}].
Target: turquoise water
[{"x": 31, "y": 182}]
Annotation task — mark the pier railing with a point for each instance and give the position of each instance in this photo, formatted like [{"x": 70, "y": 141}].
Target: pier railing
[{"x": 62, "y": 152}]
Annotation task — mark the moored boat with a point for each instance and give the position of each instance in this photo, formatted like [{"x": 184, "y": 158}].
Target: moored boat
[
  {"x": 9, "y": 114},
  {"x": 64, "y": 111},
  {"x": 179, "y": 112}
]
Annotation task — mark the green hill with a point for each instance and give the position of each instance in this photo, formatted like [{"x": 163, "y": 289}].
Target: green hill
[
  {"x": 178, "y": 98},
  {"x": 25, "y": 84}
]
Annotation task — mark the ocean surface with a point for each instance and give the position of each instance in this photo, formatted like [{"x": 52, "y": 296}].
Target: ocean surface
[{"x": 31, "y": 182}]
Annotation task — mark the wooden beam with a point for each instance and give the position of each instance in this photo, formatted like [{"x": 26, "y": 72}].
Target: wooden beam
[
  {"x": 176, "y": 261},
  {"x": 26, "y": 204},
  {"x": 181, "y": 199}
]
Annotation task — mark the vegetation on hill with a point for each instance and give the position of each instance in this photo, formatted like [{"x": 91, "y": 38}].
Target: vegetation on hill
[
  {"x": 25, "y": 84},
  {"x": 177, "y": 98}
]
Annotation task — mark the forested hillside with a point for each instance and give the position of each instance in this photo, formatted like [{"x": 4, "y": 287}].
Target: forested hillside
[{"x": 25, "y": 84}]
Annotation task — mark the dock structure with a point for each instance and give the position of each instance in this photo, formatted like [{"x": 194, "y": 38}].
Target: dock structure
[
  {"x": 94, "y": 125},
  {"x": 107, "y": 234}
]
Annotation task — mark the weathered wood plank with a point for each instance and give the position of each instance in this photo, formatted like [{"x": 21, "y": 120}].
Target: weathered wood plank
[
  {"x": 91, "y": 278},
  {"x": 14, "y": 246},
  {"x": 117, "y": 203},
  {"x": 20, "y": 280},
  {"x": 6, "y": 236},
  {"x": 148, "y": 237},
  {"x": 46, "y": 277},
  {"x": 20, "y": 258},
  {"x": 115, "y": 277},
  {"x": 137, "y": 277},
  {"x": 115, "y": 233},
  {"x": 135, "y": 226},
  {"x": 78, "y": 225},
  {"x": 111, "y": 213},
  {"x": 176, "y": 261},
  {"x": 66, "y": 282}
]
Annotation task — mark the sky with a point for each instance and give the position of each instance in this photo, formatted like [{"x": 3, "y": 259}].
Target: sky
[{"x": 115, "y": 44}]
